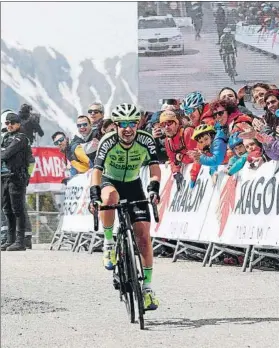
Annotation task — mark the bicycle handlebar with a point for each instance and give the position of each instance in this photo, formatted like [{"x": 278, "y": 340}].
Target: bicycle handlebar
[{"x": 121, "y": 205}]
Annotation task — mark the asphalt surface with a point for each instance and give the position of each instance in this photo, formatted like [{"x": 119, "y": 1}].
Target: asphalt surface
[
  {"x": 64, "y": 299},
  {"x": 200, "y": 69}
]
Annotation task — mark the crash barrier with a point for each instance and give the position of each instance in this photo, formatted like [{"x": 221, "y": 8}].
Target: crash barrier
[
  {"x": 237, "y": 211},
  {"x": 257, "y": 37}
]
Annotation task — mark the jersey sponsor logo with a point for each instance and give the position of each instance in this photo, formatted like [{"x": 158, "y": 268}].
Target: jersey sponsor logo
[
  {"x": 123, "y": 166},
  {"x": 121, "y": 159},
  {"x": 147, "y": 141},
  {"x": 134, "y": 158},
  {"x": 105, "y": 147}
]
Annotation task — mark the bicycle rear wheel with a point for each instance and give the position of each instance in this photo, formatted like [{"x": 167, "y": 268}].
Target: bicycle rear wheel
[
  {"x": 121, "y": 278},
  {"x": 136, "y": 275}
]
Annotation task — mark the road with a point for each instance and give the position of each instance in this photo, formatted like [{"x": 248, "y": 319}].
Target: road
[
  {"x": 200, "y": 69},
  {"x": 62, "y": 299}
]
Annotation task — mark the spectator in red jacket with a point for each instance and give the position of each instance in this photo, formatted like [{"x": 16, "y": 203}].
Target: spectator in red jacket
[{"x": 178, "y": 142}]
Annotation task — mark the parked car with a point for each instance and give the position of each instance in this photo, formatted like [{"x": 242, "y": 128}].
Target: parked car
[{"x": 159, "y": 34}]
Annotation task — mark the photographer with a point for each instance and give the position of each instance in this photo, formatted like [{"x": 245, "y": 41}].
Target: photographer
[
  {"x": 30, "y": 122},
  {"x": 15, "y": 153}
]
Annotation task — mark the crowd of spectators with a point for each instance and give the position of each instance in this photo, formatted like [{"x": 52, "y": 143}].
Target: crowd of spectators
[
  {"x": 261, "y": 13},
  {"x": 191, "y": 131}
]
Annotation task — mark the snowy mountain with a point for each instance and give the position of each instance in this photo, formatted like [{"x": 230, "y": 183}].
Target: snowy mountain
[{"x": 60, "y": 90}]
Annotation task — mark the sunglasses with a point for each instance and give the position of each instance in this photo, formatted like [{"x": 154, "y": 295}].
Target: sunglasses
[
  {"x": 167, "y": 123},
  {"x": 189, "y": 111},
  {"x": 10, "y": 122},
  {"x": 59, "y": 141},
  {"x": 218, "y": 113},
  {"x": 126, "y": 124},
  {"x": 82, "y": 125},
  {"x": 94, "y": 112}
]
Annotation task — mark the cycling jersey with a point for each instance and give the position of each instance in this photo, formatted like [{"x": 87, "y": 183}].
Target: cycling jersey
[
  {"x": 123, "y": 164},
  {"x": 227, "y": 42}
]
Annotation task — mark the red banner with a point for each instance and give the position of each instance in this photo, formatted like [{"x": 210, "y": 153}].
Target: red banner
[{"x": 49, "y": 170}]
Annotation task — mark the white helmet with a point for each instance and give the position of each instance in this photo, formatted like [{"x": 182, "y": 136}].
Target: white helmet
[
  {"x": 125, "y": 112},
  {"x": 4, "y": 115}
]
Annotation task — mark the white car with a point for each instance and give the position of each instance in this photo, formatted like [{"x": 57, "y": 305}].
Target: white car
[{"x": 159, "y": 34}]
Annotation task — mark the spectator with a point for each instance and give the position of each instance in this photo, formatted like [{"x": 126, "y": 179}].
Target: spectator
[
  {"x": 230, "y": 95},
  {"x": 159, "y": 136},
  {"x": 220, "y": 20},
  {"x": 96, "y": 113},
  {"x": 30, "y": 122},
  {"x": 86, "y": 137},
  {"x": 258, "y": 92},
  {"x": 74, "y": 153},
  {"x": 237, "y": 162},
  {"x": 256, "y": 156},
  {"x": 108, "y": 126},
  {"x": 178, "y": 143},
  {"x": 195, "y": 107},
  {"x": 213, "y": 145},
  {"x": 229, "y": 116}
]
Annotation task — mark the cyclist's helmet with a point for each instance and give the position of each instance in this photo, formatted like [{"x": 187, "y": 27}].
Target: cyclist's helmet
[
  {"x": 125, "y": 112},
  {"x": 202, "y": 130},
  {"x": 234, "y": 140},
  {"x": 191, "y": 102}
]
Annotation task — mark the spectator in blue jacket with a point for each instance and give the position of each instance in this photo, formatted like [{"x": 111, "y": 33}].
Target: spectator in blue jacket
[
  {"x": 213, "y": 144},
  {"x": 238, "y": 161}
]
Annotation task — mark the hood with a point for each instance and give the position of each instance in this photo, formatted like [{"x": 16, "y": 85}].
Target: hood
[{"x": 157, "y": 33}]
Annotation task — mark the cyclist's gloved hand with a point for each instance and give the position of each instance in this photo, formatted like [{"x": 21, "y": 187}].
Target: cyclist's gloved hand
[
  {"x": 95, "y": 198},
  {"x": 153, "y": 191},
  {"x": 179, "y": 180}
]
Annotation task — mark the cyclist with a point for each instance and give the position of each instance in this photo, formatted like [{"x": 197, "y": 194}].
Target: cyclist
[
  {"x": 228, "y": 49},
  {"x": 115, "y": 176},
  {"x": 196, "y": 15}
]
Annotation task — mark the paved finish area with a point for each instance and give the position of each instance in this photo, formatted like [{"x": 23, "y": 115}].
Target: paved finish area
[
  {"x": 200, "y": 69},
  {"x": 64, "y": 299}
]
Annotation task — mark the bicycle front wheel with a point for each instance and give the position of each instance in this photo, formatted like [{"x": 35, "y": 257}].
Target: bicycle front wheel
[
  {"x": 122, "y": 278},
  {"x": 136, "y": 275}
]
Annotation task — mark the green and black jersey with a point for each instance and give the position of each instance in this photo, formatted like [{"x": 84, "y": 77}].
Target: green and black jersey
[{"x": 123, "y": 164}]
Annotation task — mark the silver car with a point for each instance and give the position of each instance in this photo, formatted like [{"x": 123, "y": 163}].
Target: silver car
[{"x": 159, "y": 34}]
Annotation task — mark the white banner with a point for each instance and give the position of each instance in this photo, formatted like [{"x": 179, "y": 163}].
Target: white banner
[
  {"x": 238, "y": 210},
  {"x": 266, "y": 40}
]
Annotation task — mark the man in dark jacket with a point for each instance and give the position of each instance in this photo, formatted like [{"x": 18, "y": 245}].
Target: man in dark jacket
[
  {"x": 30, "y": 122},
  {"x": 15, "y": 152}
]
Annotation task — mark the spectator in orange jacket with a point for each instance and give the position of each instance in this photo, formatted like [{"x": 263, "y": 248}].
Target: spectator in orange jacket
[{"x": 178, "y": 142}]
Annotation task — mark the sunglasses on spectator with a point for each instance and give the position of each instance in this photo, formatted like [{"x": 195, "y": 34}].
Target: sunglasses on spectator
[
  {"x": 82, "y": 125},
  {"x": 90, "y": 111},
  {"x": 10, "y": 122},
  {"x": 59, "y": 141},
  {"x": 126, "y": 124},
  {"x": 167, "y": 123},
  {"x": 218, "y": 113}
]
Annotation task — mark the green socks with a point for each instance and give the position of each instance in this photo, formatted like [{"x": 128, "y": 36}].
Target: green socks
[
  {"x": 147, "y": 271},
  {"x": 108, "y": 232}
]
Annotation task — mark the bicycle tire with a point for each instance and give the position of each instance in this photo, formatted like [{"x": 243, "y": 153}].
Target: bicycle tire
[
  {"x": 135, "y": 276},
  {"x": 122, "y": 271}
]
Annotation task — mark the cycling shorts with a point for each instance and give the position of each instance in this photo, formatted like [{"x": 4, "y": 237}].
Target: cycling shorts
[{"x": 132, "y": 191}]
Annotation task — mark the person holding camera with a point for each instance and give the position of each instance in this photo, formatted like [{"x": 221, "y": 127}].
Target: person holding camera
[
  {"x": 30, "y": 122},
  {"x": 15, "y": 153}
]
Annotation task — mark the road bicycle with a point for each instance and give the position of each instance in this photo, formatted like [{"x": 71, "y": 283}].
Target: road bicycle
[{"x": 128, "y": 274}]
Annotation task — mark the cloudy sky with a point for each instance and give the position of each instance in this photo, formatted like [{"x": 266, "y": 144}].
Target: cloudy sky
[{"x": 78, "y": 30}]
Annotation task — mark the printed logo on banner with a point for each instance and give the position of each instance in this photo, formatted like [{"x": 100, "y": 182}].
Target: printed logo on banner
[{"x": 226, "y": 203}]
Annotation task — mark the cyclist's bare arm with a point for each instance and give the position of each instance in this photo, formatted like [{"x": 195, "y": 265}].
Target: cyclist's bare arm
[
  {"x": 96, "y": 177},
  {"x": 155, "y": 172}
]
